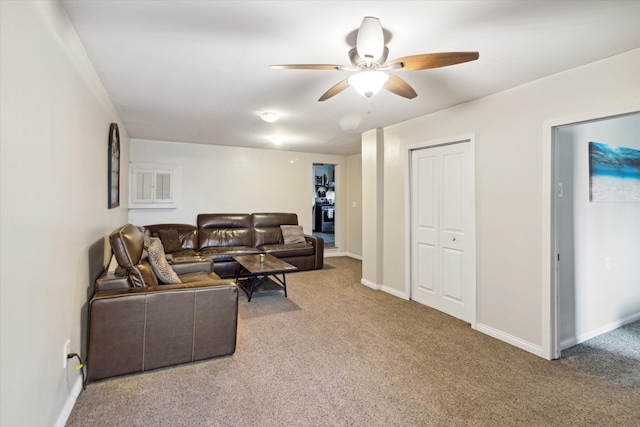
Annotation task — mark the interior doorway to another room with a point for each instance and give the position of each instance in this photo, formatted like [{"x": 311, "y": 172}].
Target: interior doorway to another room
[
  {"x": 324, "y": 203},
  {"x": 590, "y": 271}
]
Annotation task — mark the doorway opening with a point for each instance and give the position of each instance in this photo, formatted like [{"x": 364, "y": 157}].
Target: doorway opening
[
  {"x": 324, "y": 203},
  {"x": 588, "y": 274}
]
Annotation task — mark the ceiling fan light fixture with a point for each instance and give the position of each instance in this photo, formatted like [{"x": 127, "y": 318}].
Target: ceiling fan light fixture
[
  {"x": 269, "y": 117},
  {"x": 368, "y": 82}
]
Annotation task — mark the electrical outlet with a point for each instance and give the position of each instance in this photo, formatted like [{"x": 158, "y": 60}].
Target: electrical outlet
[{"x": 65, "y": 351}]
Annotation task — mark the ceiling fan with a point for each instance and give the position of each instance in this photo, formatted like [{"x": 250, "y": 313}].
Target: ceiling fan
[{"x": 369, "y": 61}]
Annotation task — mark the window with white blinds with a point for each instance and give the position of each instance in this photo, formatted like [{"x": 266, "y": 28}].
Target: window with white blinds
[{"x": 153, "y": 186}]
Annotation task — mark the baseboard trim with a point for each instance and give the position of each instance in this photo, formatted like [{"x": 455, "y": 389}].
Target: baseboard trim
[
  {"x": 335, "y": 253},
  {"x": 395, "y": 292},
  {"x": 329, "y": 254},
  {"x": 510, "y": 339},
  {"x": 354, "y": 256},
  {"x": 69, "y": 403},
  {"x": 570, "y": 342},
  {"x": 370, "y": 284}
]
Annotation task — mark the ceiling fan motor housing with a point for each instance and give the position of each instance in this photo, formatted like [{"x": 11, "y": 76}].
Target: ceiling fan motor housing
[{"x": 370, "y": 40}]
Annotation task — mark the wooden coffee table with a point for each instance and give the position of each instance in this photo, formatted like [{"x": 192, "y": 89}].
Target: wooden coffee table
[{"x": 263, "y": 271}]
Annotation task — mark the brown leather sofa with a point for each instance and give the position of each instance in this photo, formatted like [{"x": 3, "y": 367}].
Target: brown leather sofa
[
  {"x": 137, "y": 324},
  {"x": 221, "y": 236}
]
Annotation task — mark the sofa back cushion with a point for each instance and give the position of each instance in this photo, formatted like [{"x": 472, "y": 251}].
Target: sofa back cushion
[
  {"x": 127, "y": 243},
  {"x": 170, "y": 240},
  {"x": 266, "y": 227},
  {"x": 147, "y": 275},
  {"x": 187, "y": 234},
  {"x": 224, "y": 230}
]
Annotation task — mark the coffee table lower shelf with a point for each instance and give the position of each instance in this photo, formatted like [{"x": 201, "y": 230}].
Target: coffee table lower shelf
[
  {"x": 260, "y": 273},
  {"x": 266, "y": 283}
]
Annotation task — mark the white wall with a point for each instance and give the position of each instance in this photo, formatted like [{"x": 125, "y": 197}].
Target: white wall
[
  {"x": 353, "y": 236},
  {"x": 509, "y": 176},
  {"x": 55, "y": 118},
  {"x": 599, "y": 299},
  {"x": 225, "y": 179},
  {"x": 372, "y": 204}
]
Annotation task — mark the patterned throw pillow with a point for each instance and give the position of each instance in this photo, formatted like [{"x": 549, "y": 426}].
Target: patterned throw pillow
[
  {"x": 159, "y": 264},
  {"x": 292, "y": 234}
]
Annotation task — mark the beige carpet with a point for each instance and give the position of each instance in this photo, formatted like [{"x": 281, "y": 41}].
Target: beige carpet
[{"x": 336, "y": 353}]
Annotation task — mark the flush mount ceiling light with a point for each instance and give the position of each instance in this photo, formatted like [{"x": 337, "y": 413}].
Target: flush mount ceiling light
[
  {"x": 368, "y": 83},
  {"x": 269, "y": 117}
]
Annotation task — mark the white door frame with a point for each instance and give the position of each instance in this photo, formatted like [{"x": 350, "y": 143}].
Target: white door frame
[
  {"x": 550, "y": 335},
  {"x": 471, "y": 139}
]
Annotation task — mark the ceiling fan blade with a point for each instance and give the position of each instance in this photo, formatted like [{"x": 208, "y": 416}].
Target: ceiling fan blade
[
  {"x": 431, "y": 60},
  {"x": 308, "y": 67},
  {"x": 336, "y": 89},
  {"x": 370, "y": 39},
  {"x": 398, "y": 86}
]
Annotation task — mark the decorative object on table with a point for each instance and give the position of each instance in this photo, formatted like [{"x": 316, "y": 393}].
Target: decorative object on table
[
  {"x": 614, "y": 173},
  {"x": 114, "y": 166}
]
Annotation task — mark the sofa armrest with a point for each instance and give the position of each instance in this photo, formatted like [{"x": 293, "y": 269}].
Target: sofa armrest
[
  {"x": 318, "y": 250},
  {"x": 195, "y": 265},
  {"x": 112, "y": 281},
  {"x": 114, "y": 293},
  {"x": 140, "y": 329}
]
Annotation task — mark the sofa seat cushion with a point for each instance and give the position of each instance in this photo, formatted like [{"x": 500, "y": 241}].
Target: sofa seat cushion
[
  {"x": 223, "y": 253},
  {"x": 288, "y": 250}
]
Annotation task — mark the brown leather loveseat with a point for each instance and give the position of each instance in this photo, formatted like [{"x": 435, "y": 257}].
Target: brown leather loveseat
[{"x": 137, "y": 323}]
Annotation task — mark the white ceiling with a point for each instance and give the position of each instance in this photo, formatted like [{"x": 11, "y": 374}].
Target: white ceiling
[{"x": 198, "y": 71}]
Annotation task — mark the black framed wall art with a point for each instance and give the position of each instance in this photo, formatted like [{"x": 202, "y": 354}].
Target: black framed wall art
[{"x": 114, "y": 166}]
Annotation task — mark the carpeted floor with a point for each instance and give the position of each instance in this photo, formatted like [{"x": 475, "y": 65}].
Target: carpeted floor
[
  {"x": 613, "y": 357},
  {"x": 336, "y": 353}
]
